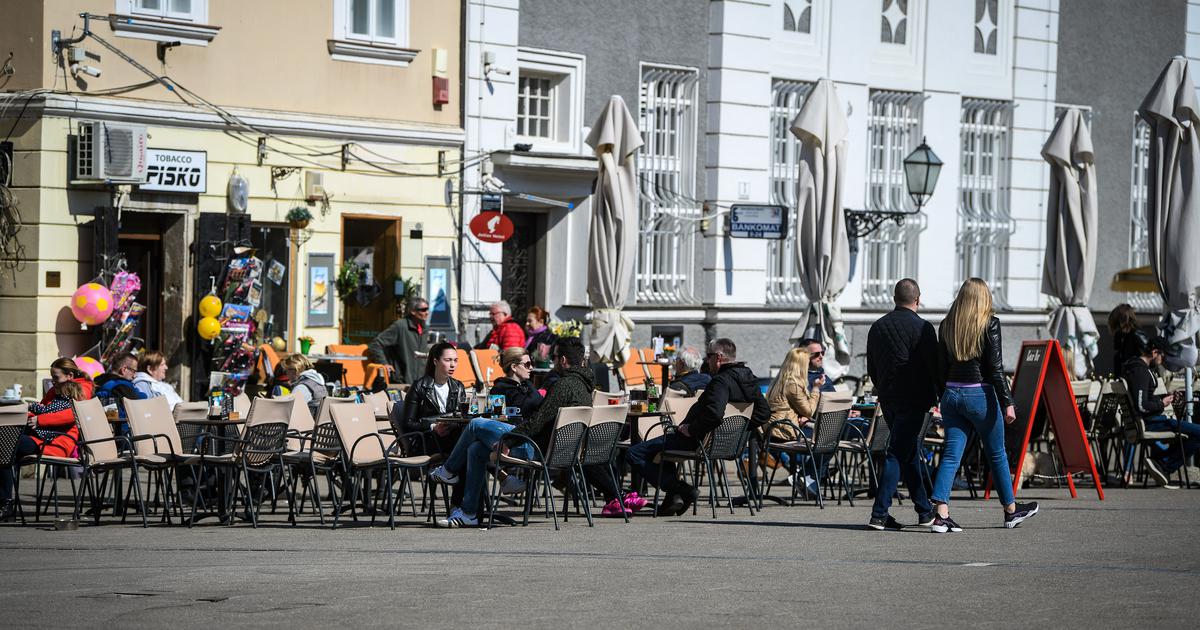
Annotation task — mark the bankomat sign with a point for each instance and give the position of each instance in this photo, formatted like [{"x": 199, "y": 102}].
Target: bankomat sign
[{"x": 169, "y": 170}]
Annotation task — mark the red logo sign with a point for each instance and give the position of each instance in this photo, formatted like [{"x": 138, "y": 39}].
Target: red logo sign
[{"x": 491, "y": 227}]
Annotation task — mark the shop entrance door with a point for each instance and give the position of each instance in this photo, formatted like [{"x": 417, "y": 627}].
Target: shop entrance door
[
  {"x": 373, "y": 243},
  {"x": 520, "y": 277}
]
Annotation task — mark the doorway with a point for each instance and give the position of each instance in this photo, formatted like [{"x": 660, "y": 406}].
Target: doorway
[
  {"x": 372, "y": 243},
  {"x": 520, "y": 261},
  {"x": 273, "y": 246}
]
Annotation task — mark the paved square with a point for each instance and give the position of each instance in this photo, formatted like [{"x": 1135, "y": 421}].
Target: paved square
[{"x": 1131, "y": 560}]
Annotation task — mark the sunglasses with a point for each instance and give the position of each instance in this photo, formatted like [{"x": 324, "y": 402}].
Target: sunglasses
[
  {"x": 421, "y": 310},
  {"x": 527, "y": 364},
  {"x": 817, "y": 355}
]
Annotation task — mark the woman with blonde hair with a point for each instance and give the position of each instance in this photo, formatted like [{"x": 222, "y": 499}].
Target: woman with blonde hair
[
  {"x": 790, "y": 396},
  {"x": 305, "y": 381},
  {"x": 976, "y": 396}
]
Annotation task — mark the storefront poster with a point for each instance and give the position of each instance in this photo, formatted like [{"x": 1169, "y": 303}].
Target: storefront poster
[
  {"x": 320, "y": 279},
  {"x": 438, "y": 291}
]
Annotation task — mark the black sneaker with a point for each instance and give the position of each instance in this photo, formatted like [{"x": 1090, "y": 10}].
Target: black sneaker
[
  {"x": 671, "y": 505},
  {"x": 1157, "y": 473},
  {"x": 885, "y": 522},
  {"x": 688, "y": 495},
  {"x": 1024, "y": 512},
  {"x": 942, "y": 525},
  {"x": 925, "y": 520}
]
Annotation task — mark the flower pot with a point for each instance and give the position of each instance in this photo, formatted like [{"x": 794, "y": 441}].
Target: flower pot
[
  {"x": 299, "y": 225},
  {"x": 305, "y": 346}
]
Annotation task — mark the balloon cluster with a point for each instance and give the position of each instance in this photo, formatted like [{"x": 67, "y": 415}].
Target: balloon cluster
[{"x": 209, "y": 326}]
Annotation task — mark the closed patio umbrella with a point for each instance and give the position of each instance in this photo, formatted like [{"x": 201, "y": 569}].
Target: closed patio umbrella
[
  {"x": 822, "y": 248},
  {"x": 1170, "y": 110},
  {"x": 1069, "y": 266},
  {"x": 615, "y": 140}
]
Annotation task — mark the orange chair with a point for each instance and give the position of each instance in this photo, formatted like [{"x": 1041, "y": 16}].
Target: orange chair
[
  {"x": 482, "y": 361},
  {"x": 464, "y": 372},
  {"x": 358, "y": 373},
  {"x": 632, "y": 372}
]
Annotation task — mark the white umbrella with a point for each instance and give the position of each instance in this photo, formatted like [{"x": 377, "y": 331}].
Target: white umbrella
[
  {"x": 615, "y": 139},
  {"x": 822, "y": 248},
  {"x": 1071, "y": 223},
  {"x": 1170, "y": 110}
]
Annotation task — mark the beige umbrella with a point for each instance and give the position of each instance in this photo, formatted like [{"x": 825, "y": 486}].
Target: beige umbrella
[
  {"x": 1069, "y": 266},
  {"x": 1170, "y": 110},
  {"x": 615, "y": 139},
  {"x": 822, "y": 247}
]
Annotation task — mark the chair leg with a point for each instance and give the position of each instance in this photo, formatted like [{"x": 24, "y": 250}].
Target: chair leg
[
  {"x": 712, "y": 488},
  {"x": 137, "y": 490},
  {"x": 612, "y": 474}
]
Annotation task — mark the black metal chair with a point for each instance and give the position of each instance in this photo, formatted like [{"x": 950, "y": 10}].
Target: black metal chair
[
  {"x": 823, "y": 445},
  {"x": 562, "y": 454},
  {"x": 260, "y": 451},
  {"x": 727, "y": 442},
  {"x": 13, "y": 420},
  {"x": 872, "y": 447}
]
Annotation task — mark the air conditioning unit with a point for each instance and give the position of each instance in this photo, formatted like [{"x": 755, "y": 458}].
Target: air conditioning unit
[
  {"x": 110, "y": 152},
  {"x": 314, "y": 185}
]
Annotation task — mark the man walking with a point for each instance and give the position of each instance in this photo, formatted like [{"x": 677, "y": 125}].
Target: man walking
[
  {"x": 396, "y": 344},
  {"x": 902, "y": 361}
]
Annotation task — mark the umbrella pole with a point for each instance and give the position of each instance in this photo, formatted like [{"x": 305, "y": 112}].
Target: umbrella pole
[{"x": 1189, "y": 406}]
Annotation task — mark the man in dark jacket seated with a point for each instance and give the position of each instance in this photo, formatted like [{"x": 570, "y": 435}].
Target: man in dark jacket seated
[
  {"x": 1165, "y": 457},
  {"x": 732, "y": 382}
]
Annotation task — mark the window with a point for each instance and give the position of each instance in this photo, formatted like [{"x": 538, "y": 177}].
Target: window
[
  {"x": 986, "y": 26},
  {"x": 1139, "y": 207},
  {"x": 984, "y": 221},
  {"x": 668, "y": 211},
  {"x": 890, "y": 253},
  {"x": 535, "y": 106},
  {"x": 550, "y": 100},
  {"x": 894, "y": 22},
  {"x": 371, "y": 31},
  {"x": 797, "y": 16},
  {"x": 783, "y": 278},
  {"x": 184, "y": 21}
]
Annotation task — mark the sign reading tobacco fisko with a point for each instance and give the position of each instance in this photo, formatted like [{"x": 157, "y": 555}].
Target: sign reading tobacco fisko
[
  {"x": 169, "y": 170},
  {"x": 757, "y": 221}
]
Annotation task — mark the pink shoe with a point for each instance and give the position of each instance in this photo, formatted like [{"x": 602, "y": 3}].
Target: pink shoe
[
  {"x": 613, "y": 510},
  {"x": 633, "y": 502}
]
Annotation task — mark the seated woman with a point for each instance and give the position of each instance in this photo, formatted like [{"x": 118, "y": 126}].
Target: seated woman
[
  {"x": 538, "y": 336},
  {"x": 152, "y": 369},
  {"x": 515, "y": 386},
  {"x": 52, "y": 424},
  {"x": 434, "y": 394},
  {"x": 307, "y": 384},
  {"x": 793, "y": 399}
]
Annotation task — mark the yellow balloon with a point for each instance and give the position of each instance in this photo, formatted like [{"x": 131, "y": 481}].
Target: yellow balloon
[
  {"x": 208, "y": 328},
  {"x": 210, "y": 306}
]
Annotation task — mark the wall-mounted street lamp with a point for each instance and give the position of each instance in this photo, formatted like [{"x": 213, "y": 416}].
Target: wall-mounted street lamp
[{"x": 921, "y": 170}]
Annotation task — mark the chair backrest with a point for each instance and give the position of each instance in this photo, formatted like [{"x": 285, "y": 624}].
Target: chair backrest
[
  {"x": 465, "y": 372},
  {"x": 300, "y": 421},
  {"x": 601, "y": 399},
  {"x": 880, "y": 434},
  {"x": 487, "y": 365},
  {"x": 631, "y": 371},
  {"x": 1131, "y": 421},
  {"x": 739, "y": 409},
  {"x": 327, "y": 403},
  {"x": 680, "y": 407},
  {"x": 843, "y": 388},
  {"x": 152, "y": 416},
  {"x": 831, "y": 418},
  {"x": 604, "y": 431},
  {"x": 13, "y": 419},
  {"x": 265, "y": 410},
  {"x": 354, "y": 372},
  {"x": 93, "y": 425},
  {"x": 670, "y": 392},
  {"x": 569, "y": 429},
  {"x": 190, "y": 411},
  {"x": 379, "y": 402},
  {"x": 354, "y": 421},
  {"x": 728, "y": 440},
  {"x": 242, "y": 404},
  {"x": 264, "y": 441}
]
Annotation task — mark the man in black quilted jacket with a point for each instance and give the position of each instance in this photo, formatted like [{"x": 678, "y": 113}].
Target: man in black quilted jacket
[
  {"x": 902, "y": 361},
  {"x": 732, "y": 382}
]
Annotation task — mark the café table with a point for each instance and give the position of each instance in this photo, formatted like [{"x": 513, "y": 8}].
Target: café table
[{"x": 337, "y": 357}]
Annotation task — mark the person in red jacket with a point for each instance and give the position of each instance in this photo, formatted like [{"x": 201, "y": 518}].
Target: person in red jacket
[
  {"x": 47, "y": 420},
  {"x": 506, "y": 332}
]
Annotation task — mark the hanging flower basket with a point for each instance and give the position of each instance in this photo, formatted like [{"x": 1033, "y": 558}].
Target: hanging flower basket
[{"x": 298, "y": 217}]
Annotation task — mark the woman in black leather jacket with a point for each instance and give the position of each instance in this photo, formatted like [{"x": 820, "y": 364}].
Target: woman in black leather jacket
[
  {"x": 1128, "y": 340},
  {"x": 976, "y": 396},
  {"x": 515, "y": 386},
  {"x": 434, "y": 394}
]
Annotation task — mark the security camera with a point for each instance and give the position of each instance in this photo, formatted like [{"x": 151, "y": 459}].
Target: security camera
[
  {"x": 497, "y": 70},
  {"x": 76, "y": 68}
]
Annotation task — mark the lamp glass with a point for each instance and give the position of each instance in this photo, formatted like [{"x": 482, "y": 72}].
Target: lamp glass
[{"x": 921, "y": 170}]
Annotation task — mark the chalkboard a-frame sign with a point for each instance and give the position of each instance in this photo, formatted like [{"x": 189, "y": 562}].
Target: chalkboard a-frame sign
[{"x": 1041, "y": 382}]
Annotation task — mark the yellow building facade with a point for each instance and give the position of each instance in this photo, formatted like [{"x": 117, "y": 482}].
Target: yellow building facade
[{"x": 347, "y": 109}]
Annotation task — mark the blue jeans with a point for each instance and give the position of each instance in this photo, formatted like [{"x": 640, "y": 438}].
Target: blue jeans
[
  {"x": 1165, "y": 453},
  {"x": 903, "y": 459},
  {"x": 962, "y": 409},
  {"x": 471, "y": 453},
  {"x": 25, "y": 447},
  {"x": 640, "y": 457}
]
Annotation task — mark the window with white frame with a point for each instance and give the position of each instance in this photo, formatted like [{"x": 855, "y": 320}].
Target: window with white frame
[
  {"x": 987, "y": 26},
  {"x": 189, "y": 10},
  {"x": 183, "y": 21},
  {"x": 550, "y": 100},
  {"x": 890, "y": 252},
  {"x": 984, "y": 221},
  {"x": 783, "y": 277},
  {"x": 371, "y": 31},
  {"x": 797, "y": 16},
  {"x": 1139, "y": 208},
  {"x": 894, "y": 21},
  {"x": 669, "y": 211}
]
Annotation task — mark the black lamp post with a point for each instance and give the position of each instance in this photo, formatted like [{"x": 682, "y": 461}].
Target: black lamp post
[{"x": 921, "y": 170}]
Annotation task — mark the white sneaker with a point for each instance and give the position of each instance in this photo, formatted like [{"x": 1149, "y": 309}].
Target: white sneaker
[
  {"x": 512, "y": 484},
  {"x": 442, "y": 475},
  {"x": 458, "y": 518},
  {"x": 1158, "y": 475}
]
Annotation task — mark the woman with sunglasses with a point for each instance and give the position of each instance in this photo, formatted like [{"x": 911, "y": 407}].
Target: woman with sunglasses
[{"x": 515, "y": 385}]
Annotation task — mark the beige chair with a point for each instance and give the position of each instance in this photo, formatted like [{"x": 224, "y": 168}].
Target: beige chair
[
  {"x": 1135, "y": 431},
  {"x": 570, "y": 427},
  {"x": 365, "y": 452},
  {"x": 99, "y": 455},
  {"x": 13, "y": 420},
  {"x": 327, "y": 403},
  {"x": 154, "y": 433},
  {"x": 830, "y": 420},
  {"x": 603, "y": 399},
  {"x": 379, "y": 402},
  {"x": 266, "y": 410},
  {"x": 242, "y": 404},
  {"x": 190, "y": 411},
  {"x": 600, "y": 444}
]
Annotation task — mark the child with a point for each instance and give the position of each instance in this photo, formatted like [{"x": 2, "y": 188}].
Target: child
[{"x": 64, "y": 394}]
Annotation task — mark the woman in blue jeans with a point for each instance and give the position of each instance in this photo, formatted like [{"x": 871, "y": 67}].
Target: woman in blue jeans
[{"x": 976, "y": 396}]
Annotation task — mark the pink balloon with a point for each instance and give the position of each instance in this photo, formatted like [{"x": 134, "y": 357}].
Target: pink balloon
[
  {"x": 92, "y": 304},
  {"x": 90, "y": 366}
]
